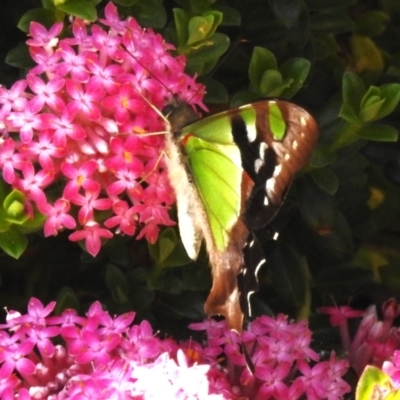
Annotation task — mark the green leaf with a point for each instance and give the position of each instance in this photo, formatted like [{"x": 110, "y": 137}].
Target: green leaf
[
  {"x": 204, "y": 27},
  {"x": 166, "y": 283},
  {"x": 322, "y": 156},
  {"x": 371, "y": 104},
  {"x": 13, "y": 242},
  {"x": 116, "y": 284},
  {"x": 326, "y": 180},
  {"x": 79, "y": 8},
  {"x": 367, "y": 55},
  {"x": 150, "y": 13},
  {"x": 19, "y": 57},
  {"x": 353, "y": 90},
  {"x": 297, "y": 69},
  {"x": 4, "y": 223},
  {"x": 271, "y": 83},
  {"x": 216, "y": 92},
  {"x": 14, "y": 206},
  {"x": 168, "y": 251},
  {"x": 188, "y": 305},
  {"x": 196, "y": 277},
  {"x": 181, "y": 24},
  {"x": 390, "y": 92},
  {"x": 40, "y": 15},
  {"x": 372, "y": 23},
  {"x": 318, "y": 208},
  {"x": 66, "y": 299},
  {"x": 289, "y": 275},
  {"x": 126, "y": 3},
  {"x": 287, "y": 11},
  {"x": 379, "y": 133},
  {"x": 348, "y": 114},
  {"x": 261, "y": 60},
  {"x": 208, "y": 50},
  {"x": 33, "y": 224},
  {"x": 372, "y": 384},
  {"x": 141, "y": 297},
  {"x": 332, "y": 22},
  {"x": 244, "y": 97},
  {"x": 231, "y": 16}
]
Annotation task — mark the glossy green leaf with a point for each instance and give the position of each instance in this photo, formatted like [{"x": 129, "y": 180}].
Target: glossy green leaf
[
  {"x": 210, "y": 49},
  {"x": 261, "y": 60},
  {"x": 4, "y": 223},
  {"x": 271, "y": 83},
  {"x": 326, "y": 180},
  {"x": 203, "y": 27},
  {"x": 296, "y": 69},
  {"x": 79, "y": 8},
  {"x": 13, "y": 242},
  {"x": 390, "y": 92},
  {"x": 379, "y": 133},
  {"x": 40, "y": 15},
  {"x": 14, "y": 207},
  {"x": 181, "y": 24},
  {"x": 371, "y": 103},
  {"x": 48, "y": 5},
  {"x": 353, "y": 90},
  {"x": 373, "y": 383}
]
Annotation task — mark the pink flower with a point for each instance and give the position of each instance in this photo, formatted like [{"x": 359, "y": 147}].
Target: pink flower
[
  {"x": 92, "y": 234},
  {"x": 57, "y": 217}
]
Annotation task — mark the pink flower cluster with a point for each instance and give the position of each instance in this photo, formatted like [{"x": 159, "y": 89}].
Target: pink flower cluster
[
  {"x": 79, "y": 134},
  {"x": 375, "y": 341},
  {"x": 100, "y": 357}
]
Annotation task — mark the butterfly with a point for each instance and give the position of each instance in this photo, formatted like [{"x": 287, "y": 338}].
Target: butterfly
[{"x": 230, "y": 172}]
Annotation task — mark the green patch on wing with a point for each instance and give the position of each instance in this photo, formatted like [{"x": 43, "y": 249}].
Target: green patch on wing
[
  {"x": 276, "y": 121},
  {"x": 217, "y": 175}
]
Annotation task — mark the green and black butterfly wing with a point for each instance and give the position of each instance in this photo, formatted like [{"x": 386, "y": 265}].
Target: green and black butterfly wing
[{"x": 230, "y": 172}]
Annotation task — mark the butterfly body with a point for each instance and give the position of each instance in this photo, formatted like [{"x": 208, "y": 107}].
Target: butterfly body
[{"x": 230, "y": 172}]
